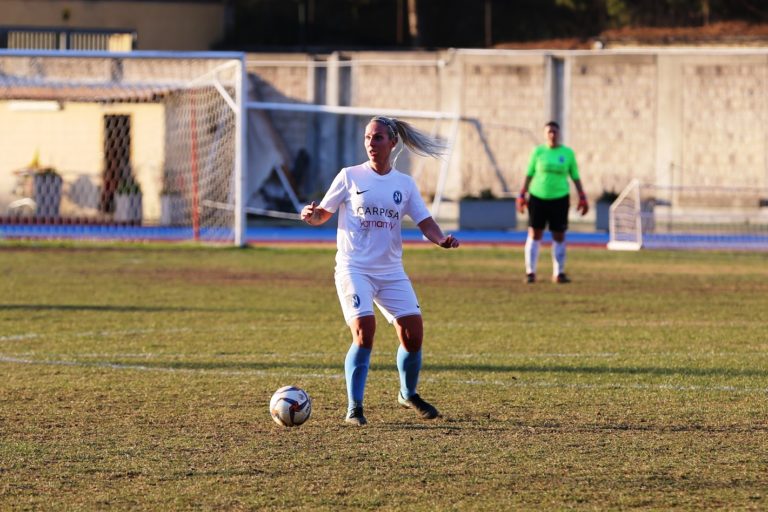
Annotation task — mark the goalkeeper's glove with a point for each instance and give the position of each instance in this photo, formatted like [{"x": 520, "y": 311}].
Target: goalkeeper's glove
[
  {"x": 583, "y": 205},
  {"x": 521, "y": 202}
]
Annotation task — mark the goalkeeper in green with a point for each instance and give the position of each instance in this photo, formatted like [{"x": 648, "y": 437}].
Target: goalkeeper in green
[{"x": 546, "y": 194}]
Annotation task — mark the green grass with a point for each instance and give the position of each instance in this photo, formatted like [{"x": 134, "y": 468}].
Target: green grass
[{"x": 138, "y": 377}]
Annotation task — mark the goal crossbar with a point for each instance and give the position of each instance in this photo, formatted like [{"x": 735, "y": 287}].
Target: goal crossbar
[{"x": 354, "y": 111}]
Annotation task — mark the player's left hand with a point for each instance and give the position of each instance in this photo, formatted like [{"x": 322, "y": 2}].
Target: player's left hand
[
  {"x": 449, "y": 242},
  {"x": 583, "y": 206}
]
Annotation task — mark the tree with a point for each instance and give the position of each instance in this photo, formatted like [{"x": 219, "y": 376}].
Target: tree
[{"x": 413, "y": 23}]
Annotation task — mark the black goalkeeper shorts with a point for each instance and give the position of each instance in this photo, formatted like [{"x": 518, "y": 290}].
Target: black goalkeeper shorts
[{"x": 552, "y": 212}]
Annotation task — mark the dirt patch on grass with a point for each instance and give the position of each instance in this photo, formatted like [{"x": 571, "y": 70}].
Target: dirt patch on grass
[{"x": 224, "y": 276}]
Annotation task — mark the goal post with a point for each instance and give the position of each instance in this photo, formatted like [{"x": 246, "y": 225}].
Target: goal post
[
  {"x": 689, "y": 217},
  {"x": 625, "y": 224},
  {"x": 122, "y": 145}
]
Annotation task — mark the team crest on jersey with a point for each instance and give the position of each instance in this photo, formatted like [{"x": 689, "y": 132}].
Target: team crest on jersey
[
  {"x": 398, "y": 197},
  {"x": 561, "y": 159},
  {"x": 354, "y": 300}
]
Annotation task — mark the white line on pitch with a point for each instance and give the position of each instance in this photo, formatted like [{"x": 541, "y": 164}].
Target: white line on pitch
[
  {"x": 88, "y": 334},
  {"x": 500, "y": 357},
  {"x": 19, "y": 337},
  {"x": 162, "y": 369},
  {"x": 474, "y": 382},
  {"x": 662, "y": 387}
]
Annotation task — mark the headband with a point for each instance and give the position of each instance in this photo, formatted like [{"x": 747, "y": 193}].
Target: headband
[{"x": 390, "y": 123}]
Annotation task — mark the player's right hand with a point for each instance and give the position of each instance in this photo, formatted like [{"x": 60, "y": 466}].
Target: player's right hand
[
  {"x": 521, "y": 204},
  {"x": 449, "y": 242},
  {"x": 308, "y": 211}
]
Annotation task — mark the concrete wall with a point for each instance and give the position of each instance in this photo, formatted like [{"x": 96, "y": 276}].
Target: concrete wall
[
  {"x": 506, "y": 102},
  {"x": 611, "y": 122},
  {"x": 723, "y": 133},
  {"x": 680, "y": 117},
  {"x": 173, "y": 25}
]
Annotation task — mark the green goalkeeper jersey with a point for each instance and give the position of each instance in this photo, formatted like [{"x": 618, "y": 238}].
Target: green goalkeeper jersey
[{"x": 549, "y": 169}]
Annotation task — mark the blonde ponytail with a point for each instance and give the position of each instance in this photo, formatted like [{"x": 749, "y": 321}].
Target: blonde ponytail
[{"x": 417, "y": 141}]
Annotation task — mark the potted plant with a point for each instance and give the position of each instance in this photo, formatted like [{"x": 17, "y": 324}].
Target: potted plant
[
  {"x": 486, "y": 211},
  {"x": 40, "y": 187},
  {"x": 603, "y": 209},
  {"x": 46, "y": 188},
  {"x": 128, "y": 204},
  {"x": 47, "y": 192},
  {"x": 171, "y": 208}
]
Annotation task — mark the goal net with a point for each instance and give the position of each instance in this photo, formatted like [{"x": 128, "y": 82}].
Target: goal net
[
  {"x": 129, "y": 145},
  {"x": 689, "y": 217},
  {"x": 295, "y": 151}
]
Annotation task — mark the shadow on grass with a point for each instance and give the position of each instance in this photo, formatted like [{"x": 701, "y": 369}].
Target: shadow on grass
[
  {"x": 219, "y": 366},
  {"x": 485, "y": 369},
  {"x": 602, "y": 370},
  {"x": 108, "y": 308},
  {"x": 433, "y": 425}
]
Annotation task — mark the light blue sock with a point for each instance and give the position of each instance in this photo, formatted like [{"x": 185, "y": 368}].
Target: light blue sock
[
  {"x": 356, "y": 372},
  {"x": 409, "y": 366}
]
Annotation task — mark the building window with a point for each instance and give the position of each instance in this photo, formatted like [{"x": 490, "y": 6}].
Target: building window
[{"x": 51, "y": 38}]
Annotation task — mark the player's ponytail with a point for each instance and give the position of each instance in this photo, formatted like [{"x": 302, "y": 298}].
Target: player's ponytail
[{"x": 412, "y": 138}]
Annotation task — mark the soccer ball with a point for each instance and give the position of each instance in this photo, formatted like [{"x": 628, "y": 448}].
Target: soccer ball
[{"x": 290, "y": 406}]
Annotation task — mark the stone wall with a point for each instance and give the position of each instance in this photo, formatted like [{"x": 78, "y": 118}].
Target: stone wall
[
  {"x": 681, "y": 117},
  {"x": 611, "y": 121},
  {"x": 284, "y": 78},
  {"x": 724, "y": 112},
  {"x": 505, "y": 102}
]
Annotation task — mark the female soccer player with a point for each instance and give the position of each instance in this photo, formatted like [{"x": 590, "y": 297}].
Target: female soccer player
[
  {"x": 372, "y": 199},
  {"x": 549, "y": 168}
]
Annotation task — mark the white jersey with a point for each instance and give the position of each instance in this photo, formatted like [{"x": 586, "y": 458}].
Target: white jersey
[{"x": 371, "y": 209}]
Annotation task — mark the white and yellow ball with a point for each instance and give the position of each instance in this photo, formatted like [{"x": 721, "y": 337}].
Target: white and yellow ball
[{"x": 290, "y": 406}]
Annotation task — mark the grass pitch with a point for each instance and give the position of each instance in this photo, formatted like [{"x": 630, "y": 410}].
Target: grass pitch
[{"x": 138, "y": 378}]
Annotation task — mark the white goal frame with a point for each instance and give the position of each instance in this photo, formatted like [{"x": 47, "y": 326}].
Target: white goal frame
[
  {"x": 45, "y": 77},
  {"x": 648, "y": 216},
  {"x": 437, "y": 116}
]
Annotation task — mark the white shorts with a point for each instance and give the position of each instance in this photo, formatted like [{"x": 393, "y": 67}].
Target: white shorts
[{"x": 392, "y": 293}]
